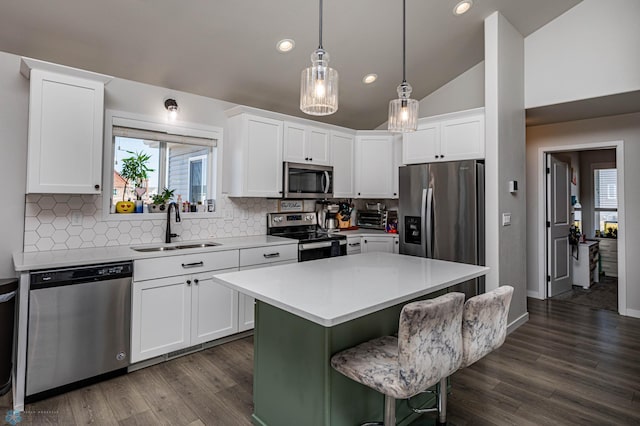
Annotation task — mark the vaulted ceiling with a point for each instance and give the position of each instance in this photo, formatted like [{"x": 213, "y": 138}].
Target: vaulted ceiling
[{"x": 225, "y": 49}]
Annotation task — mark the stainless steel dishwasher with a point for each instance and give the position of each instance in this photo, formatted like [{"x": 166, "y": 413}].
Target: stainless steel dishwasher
[{"x": 79, "y": 324}]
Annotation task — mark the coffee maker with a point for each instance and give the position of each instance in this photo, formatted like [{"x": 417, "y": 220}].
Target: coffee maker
[{"x": 327, "y": 215}]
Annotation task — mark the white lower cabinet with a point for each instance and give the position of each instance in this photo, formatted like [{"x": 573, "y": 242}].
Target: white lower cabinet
[
  {"x": 213, "y": 309},
  {"x": 260, "y": 257},
  {"x": 174, "y": 312},
  {"x": 385, "y": 244},
  {"x": 354, "y": 245}
]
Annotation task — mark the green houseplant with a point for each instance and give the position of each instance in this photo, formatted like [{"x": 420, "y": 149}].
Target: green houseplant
[
  {"x": 159, "y": 201},
  {"x": 134, "y": 170}
]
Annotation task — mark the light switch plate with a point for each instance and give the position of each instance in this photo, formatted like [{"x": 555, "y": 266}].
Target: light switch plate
[
  {"x": 506, "y": 219},
  {"x": 76, "y": 218}
]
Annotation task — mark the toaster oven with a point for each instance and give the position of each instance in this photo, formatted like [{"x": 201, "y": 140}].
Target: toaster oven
[{"x": 376, "y": 219}]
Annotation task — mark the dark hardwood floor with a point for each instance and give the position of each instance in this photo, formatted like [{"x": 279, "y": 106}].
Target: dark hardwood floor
[{"x": 569, "y": 365}]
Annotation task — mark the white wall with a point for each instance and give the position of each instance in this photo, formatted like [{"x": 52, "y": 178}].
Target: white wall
[
  {"x": 623, "y": 127},
  {"x": 463, "y": 92},
  {"x": 592, "y": 50},
  {"x": 14, "y": 110},
  {"x": 505, "y": 160}
]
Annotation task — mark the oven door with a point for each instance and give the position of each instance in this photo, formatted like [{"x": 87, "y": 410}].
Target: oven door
[
  {"x": 321, "y": 250},
  {"x": 307, "y": 181}
]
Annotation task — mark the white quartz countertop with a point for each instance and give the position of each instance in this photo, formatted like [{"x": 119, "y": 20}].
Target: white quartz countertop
[
  {"x": 339, "y": 289},
  {"x": 89, "y": 256}
]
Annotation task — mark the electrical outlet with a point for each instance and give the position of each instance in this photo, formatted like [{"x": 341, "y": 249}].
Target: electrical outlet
[
  {"x": 76, "y": 218},
  {"x": 245, "y": 214},
  {"x": 506, "y": 219},
  {"x": 228, "y": 214}
]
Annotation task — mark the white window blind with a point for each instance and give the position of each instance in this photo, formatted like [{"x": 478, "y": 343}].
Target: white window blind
[
  {"x": 150, "y": 135},
  {"x": 606, "y": 189}
]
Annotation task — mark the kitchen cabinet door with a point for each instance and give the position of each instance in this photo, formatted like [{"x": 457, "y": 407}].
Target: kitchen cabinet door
[
  {"x": 306, "y": 144},
  {"x": 382, "y": 244},
  {"x": 421, "y": 146},
  {"x": 449, "y": 137},
  {"x": 214, "y": 308},
  {"x": 160, "y": 317},
  {"x": 65, "y": 134},
  {"x": 396, "y": 244},
  {"x": 462, "y": 138},
  {"x": 374, "y": 165},
  {"x": 342, "y": 152},
  {"x": 253, "y": 157}
]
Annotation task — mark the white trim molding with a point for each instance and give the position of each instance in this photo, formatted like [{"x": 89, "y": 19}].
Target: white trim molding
[{"x": 515, "y": 324}]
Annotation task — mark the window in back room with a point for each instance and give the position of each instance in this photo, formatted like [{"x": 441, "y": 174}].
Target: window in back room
[{"x": 606, "y": 201}]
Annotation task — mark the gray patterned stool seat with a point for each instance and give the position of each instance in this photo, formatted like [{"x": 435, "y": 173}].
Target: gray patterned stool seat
[
  {"x": 427, "y": 350},
  {"x": 484, "y": 323}
]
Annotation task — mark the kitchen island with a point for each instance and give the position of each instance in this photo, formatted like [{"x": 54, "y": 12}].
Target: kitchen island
[{"x": 306, "y": 312}]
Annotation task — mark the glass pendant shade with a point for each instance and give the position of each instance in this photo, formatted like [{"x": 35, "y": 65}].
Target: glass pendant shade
[
  {"x": 319, "y": 86},
  {"x": 403, "y": 112}
]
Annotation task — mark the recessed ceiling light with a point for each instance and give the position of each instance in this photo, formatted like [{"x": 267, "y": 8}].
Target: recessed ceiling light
[
  {"x": 285, "y": 45},
  {"x": 369, "y": 78},
  {"x": 462, "y": 7}
]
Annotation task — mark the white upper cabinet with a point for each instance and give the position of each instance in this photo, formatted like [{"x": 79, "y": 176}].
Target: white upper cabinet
[
  {"x": 342, "y": 152},
  {"x": 253, "y": 157},
  {"x": 449, "y": 137},
  {"x": 306, "y": 144},
  {"x": 66, "y": 114},
  {"x": 375, "y": 165}
]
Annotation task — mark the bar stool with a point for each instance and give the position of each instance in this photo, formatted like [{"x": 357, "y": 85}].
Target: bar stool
[
  {"x": 484, "y": 323},
  {"x": 427, "y": 350}
]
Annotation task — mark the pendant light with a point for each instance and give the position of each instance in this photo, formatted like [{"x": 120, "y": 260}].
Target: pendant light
[
  {"x": 403, "y": 112},
  {"x": 319, "y": 83}
]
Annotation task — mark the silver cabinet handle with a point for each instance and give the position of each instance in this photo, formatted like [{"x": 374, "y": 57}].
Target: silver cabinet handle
[
  {"x": 271, "y": 255},
  {"x": 193, "y": 265}
]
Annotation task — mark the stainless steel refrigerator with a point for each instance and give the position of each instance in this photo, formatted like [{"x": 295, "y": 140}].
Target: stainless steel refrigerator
[{"x": 441, "y": 214}]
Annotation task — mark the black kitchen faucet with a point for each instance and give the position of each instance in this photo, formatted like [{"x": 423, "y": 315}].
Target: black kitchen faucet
[{"x": 169, "y": 235}]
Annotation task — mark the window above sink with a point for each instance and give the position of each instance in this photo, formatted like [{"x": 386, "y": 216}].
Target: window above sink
[{"x": 182, "y": 157}]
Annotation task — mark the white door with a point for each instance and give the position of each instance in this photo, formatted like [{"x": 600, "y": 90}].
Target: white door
[
  {"x": 318, "y": 146},
  {"x": 214, "y": 308},
  {"x": 558, "y": 222},
  {"x": 342, "y": 150},
  {"x": 160, "y": 317}
]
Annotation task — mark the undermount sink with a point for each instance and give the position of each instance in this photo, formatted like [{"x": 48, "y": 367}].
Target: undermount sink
[{"x": 179, "y": 247}]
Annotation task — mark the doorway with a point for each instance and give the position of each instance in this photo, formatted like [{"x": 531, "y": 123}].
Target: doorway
[{"x": 584, "y": 214}]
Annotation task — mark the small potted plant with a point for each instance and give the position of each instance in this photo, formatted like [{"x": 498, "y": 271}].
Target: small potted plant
[
  {"x": 134, "y": 170},
  {"x": 159, "y": 201}
]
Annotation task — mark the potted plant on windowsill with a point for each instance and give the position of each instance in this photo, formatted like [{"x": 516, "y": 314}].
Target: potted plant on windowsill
[
  {"x": 159, "y": 201},
  {"x": 134, "y": 170}
]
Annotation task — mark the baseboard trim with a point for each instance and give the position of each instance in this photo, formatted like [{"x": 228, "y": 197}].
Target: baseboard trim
[
  {"x": 633, "y": 313},
  {"x": 534, "y": 294},
  {"x": 515, "y": 324}
]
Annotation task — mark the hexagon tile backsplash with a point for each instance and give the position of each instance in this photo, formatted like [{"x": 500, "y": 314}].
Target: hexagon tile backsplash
[{"x": 48, "y": 223}]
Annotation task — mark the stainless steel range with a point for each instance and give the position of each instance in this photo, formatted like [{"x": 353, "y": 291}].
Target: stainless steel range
[{"x": 313, "y": 242}]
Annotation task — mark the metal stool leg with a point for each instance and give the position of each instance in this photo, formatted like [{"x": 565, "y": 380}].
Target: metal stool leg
[
  {"x": 442, "y": 401},
  {"x": 389, "y": 411}
]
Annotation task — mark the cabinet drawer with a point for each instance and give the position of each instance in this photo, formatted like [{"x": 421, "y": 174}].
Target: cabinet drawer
[
  {"x": 269, "y": 254},
  {"x": 147, "y": 269}
]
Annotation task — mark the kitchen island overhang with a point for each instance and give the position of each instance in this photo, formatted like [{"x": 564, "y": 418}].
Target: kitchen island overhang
[{"x": 306, "y": 312}]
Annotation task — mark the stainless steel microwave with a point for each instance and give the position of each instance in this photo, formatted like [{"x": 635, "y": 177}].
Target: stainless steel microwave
[{"x": 307, "y": 181}]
